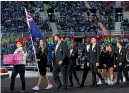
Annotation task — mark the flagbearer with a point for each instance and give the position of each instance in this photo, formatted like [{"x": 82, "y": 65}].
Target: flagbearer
[
  {"x": 42, "y": 64},
  {"x": 19, "y": 68}
]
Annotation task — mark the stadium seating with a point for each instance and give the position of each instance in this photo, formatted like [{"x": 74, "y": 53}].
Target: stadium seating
[
  {"x": 125, "y": 24},
  {"x": 13, "y": 16},
  {"x": 74, "y": 17},
  {"x": 71, "y": 16},
  {"x": 106, "y": 12},
  {"x": 125, "y": 5}
]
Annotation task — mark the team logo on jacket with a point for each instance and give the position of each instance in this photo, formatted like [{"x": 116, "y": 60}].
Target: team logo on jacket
[
  {"x": 94, "y": 50},
  {"x": 60, "y": 49}
]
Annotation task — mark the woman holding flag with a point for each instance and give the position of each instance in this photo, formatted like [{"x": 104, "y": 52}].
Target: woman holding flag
[{"x": 41, "y": 56}]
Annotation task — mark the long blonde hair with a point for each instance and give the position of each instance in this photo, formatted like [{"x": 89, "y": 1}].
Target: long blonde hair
[{"x": 44, "y": 45}]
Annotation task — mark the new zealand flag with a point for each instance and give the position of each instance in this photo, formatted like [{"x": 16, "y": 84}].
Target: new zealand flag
[{"x": 37, "y": 34}]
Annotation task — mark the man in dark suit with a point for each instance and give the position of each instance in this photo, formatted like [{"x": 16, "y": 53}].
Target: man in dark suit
[
  {"x": 121, "y": 62},
  {"x": 72, "y": 54},
  {"x": 94, "y": 54},
  {"x": 60, "y": 61},
  {"x": 86, "y": 68}
]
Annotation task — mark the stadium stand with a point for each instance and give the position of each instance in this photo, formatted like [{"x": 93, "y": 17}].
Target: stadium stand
[
  {"x": 13, "y": 16},
  {"x": 74, "y": 17},
  {"x": 125, "y": 5}
]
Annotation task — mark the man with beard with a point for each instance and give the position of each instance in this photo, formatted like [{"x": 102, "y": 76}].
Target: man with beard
[{"x": 60, "y": 61}]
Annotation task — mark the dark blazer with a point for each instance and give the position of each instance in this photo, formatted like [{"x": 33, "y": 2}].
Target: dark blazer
[
  {"x": 42, "y": 55},
  {"x": 127, "y": 57},
  {"x": 87, "y": 53},
  {"x": 73, "y": 56},
  {"x": 121, "y": 57},
  {"x": 94, "y": 54},
  {"x": 102, "y": 57},
  {"x": 110, "y": 58},
  {"x": 61, "y": 54}
]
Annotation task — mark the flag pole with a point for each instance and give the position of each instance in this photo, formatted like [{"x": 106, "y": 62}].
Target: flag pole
[{"x": 31, "y": 38}]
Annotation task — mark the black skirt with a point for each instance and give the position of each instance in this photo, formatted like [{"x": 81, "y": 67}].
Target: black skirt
[
  {"x": 110, "y": 65},
  {"x": 42, "y": 67},
  {"x": 101, "y": 64}
]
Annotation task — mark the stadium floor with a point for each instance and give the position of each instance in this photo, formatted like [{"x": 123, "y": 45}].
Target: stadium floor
[{"x": 31, "y": 80}]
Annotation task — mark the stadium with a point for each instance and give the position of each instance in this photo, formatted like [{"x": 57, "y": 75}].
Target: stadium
[{"x": 74, "y": 21}]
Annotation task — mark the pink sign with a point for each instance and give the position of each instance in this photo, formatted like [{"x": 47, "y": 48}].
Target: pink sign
[{"x": 13, "y": 59}]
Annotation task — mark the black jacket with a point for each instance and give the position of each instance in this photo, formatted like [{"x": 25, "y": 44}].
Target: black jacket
[
  {"x": 61, "y": 54},
  {"x": 110, "y": 58},
  {"x": 86, "y": 53},
  {"x": 102, "y": 57},
  {"x": 127, "y": 57},
  {"x": 94, "y": 54},
  {"x": 73, "y": 56},
  {"x": 121, "y": 57},
  {"x": 42, "y": 55}
]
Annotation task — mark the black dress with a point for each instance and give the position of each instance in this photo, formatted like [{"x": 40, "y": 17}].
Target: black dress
[
  {"x": 110, "y": 59},
  {"x": 102, "y": 60},
  {"x": 42, "y": 55}
]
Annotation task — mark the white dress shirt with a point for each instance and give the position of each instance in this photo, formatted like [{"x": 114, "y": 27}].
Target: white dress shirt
[
  {"x": 93, "y": 47},
  {"x": 57, "y": 45},
  {"x": 87, "y": 47},
  {"x": 120, "y": 50},
  {"x": 71, "y": 50}
]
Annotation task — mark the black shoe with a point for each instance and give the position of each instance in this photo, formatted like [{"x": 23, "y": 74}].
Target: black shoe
[
  {"x": 58, "y": 87},
  {"x": 63, "y": 88},
  {"x": 94, "y": 85},
  {"x": 22, "y": 91},
  {"x": 81, "y": 85},
  {"x": 71, "y": 85},
  {"x": 117, "y": 83},
  {"x": 10, "y": 91},
  {"x": 127, "y": 80},
  {"x": 103, "y": 82},
  {"x": 78, "y": 82}
]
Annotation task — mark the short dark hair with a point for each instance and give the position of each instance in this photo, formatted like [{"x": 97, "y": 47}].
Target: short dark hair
[
  {"x": 88, "y": 41},
  {"x": 58, "y": 35},
  {"x": 120, "y": 42}
]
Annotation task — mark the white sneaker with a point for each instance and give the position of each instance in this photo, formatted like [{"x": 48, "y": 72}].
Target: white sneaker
[
  {"x": 109, "y": 82},
  {"x": 49, "y": 86},
  {"x": 35, "y": 88},
  {"x": 100, "y": 82},
  {"x": 106, "y": 81},
  {"x": 115, "y": 80},
  {"x": 124, "y": 79}
]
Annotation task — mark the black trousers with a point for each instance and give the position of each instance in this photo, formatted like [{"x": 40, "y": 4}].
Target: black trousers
[
  {"x": 121, "y": 69},
  {"x": 72, "y": 71},
  {"x": 95, "y": 72},
  {"x": 18, "y": 69},
  {"x": 85, "y": 73},
  {"x": 56, "y": 70}
]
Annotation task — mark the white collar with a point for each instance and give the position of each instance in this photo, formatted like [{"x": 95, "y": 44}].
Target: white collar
[{"x": 20, "y": 48}]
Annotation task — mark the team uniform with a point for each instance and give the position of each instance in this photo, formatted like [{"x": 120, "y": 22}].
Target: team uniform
[{"x": 110, "y": 59}]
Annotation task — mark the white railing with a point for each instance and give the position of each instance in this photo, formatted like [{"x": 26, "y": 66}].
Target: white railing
[
  {"x": 22, "y": 34},
  {"x": 79, "y": 34}
]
